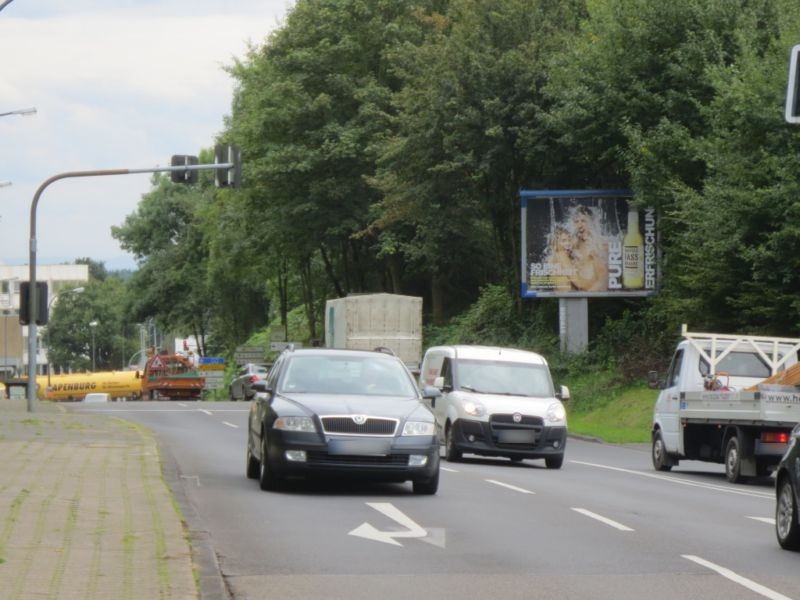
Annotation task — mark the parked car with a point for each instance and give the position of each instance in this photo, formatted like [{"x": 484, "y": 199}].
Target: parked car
[
  {"x": 496, "y": 402},
  {"x": 96, "y": 398},
  {"x": 326, "y": 411},
  {"x": 241, "y": 386},
  {"x": 787, "y": 492}
]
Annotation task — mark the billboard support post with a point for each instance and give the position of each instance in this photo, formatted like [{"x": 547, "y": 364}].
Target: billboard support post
[{"x": 573, "y": 324}]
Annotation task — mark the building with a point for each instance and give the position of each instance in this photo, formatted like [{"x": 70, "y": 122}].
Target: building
[{"x": 13, "y": 336}]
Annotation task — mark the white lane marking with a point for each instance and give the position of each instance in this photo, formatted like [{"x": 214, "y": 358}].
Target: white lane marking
[
  {"x": 708, "y": 486},
  {"x": 182, "y": 404},
  {"x": 449, "y": 470},
  {"x": 230, "y": 425},
  {"x": 510, "y": 487},
  {"x": 203, "y": 410},
  {"x": 743, "y": 581},
  {"x": 767, "y": 520},
  {"x": 602, "y": 519},
  {"x": 369, "y": 532}
]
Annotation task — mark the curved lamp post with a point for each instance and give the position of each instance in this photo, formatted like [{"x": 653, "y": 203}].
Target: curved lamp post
[{"x": 25, "y": 112}]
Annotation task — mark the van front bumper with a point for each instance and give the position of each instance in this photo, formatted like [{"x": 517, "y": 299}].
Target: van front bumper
[{"x": 530, "y": 439}]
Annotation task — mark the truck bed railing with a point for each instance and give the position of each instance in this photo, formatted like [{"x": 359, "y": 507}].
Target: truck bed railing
[{"x": 730, "y": 342}]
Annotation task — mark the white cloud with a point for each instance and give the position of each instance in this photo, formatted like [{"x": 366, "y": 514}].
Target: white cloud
[{"x": 123, "y": 88}]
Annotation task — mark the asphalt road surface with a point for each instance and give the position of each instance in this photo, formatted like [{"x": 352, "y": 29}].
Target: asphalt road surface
[{"x": 605, "y": 526}]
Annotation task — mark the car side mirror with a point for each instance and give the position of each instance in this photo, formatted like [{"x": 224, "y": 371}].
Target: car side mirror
[
  {"x": 258, "y": 387},
  {"x": 563, "y": 393}
]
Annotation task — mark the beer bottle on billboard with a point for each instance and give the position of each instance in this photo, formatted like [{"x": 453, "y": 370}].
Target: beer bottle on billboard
[{"x": 633, "y": 253}]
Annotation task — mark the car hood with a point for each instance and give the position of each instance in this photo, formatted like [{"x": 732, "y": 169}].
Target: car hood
[
  {"x": 394, "y": 407},
  {"x": 502, "y": 404}
]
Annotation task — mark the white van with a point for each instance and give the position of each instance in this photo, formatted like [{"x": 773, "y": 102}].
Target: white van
[
  {"x": 96, "y": 398},
  {"x": 496, "y": 402}
]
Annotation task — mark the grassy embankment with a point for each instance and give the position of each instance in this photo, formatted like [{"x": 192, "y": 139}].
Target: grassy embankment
[{"x": 600, "y": 407}]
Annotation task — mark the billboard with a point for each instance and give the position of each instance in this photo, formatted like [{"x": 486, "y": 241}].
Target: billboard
[{"x": 587, "y": 243}]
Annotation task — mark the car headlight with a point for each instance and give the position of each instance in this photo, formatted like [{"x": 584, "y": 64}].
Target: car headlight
[
  {"x": 556, "y": 413},
  {"x": 295, "y": 424},
  {"x": 417, "y": 428},
  {"x": 475, "y": 409}
]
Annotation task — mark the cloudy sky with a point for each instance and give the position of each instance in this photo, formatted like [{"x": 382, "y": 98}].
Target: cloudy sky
[{"x": 116, "y": 84}]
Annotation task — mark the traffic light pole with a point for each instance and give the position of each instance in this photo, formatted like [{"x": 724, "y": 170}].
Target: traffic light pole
[{"x": 32, "y": 299}]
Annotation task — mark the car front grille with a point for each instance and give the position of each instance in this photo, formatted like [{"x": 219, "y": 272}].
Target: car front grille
[
  {"x": 508, "y": 434},
  {"x": 346, "y": 425}
]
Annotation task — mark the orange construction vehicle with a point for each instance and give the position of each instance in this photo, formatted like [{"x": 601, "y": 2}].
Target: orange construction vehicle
[{"x": 171, "y": 376}]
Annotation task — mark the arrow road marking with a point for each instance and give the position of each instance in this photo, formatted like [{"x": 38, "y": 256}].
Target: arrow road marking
[{"x": 369, "y": 532}]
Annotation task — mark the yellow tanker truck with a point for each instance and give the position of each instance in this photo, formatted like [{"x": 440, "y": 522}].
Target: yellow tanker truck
[{"x": 74, "y": 386}]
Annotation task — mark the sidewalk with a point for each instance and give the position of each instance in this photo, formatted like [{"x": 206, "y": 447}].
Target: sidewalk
[{"x": 84, "y": 510}]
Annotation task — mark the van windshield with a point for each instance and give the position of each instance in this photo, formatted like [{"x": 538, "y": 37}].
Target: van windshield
[{"x": 501, "y": 377}]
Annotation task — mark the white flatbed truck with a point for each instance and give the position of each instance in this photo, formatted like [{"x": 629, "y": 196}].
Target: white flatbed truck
[{"x": 713, "y": 405}]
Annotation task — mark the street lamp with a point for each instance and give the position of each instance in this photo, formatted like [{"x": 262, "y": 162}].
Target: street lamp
[
  {"x": 93, "y": 325},
  {"x": 25, "y": 112},
  {"x": 77, "y": 290}
]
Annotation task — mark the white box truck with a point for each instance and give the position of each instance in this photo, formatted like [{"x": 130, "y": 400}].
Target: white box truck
[
  {"x": 716, "y": 406},
  {"x": 369, "y": 321}
]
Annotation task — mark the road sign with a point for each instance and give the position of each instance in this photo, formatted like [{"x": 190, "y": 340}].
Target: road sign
[
  {"x": 214, "y": 379},
  {"x": 249, "y": 354},
  {"x": 212, "y": 363}
]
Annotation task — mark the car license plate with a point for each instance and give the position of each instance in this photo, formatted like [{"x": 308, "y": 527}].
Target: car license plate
[
  {"x": 516, "y": 436},
  {"x": 359, "y": 447}
]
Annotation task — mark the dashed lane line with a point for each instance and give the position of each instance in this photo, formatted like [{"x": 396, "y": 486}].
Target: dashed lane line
[
  {"x": 230, "y": 425},
  {"x": 602, "y": 519},
  {"x": 736, "y": 578},
  {"x": 510, "y": 487}
]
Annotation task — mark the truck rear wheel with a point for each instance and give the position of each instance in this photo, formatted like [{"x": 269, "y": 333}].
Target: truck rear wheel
[
  {"x": 661, "y": 461},
  {"x": 733, "y": 461}
]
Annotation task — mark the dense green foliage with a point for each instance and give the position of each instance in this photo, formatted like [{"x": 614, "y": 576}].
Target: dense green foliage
[{"x": 385, "y": 142}]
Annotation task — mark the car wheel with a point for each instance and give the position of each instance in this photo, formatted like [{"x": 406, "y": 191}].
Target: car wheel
[
  {"x": 786, "y": 527},
  {"x": 733, "y": 461},
  {"x": 267, "y": 479},
  {"x": 427, "y": 486},
  {"x": 554, "y": 462},
  {"x": 659, "y": 454},
  {"x": 253, "y": 465},
  {"x": 451, "y": 453}
]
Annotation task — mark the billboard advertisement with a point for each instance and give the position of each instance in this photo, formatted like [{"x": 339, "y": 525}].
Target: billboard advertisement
[{"x": 587, "y": 243}]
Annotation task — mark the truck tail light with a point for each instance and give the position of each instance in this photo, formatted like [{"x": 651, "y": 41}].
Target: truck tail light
[
  {"x": 254, "y": 378},
  {"x": 775, "y": 437}
]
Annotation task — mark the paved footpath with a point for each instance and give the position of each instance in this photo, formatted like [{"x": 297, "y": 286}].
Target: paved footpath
[{"x": 85, "y": 511}]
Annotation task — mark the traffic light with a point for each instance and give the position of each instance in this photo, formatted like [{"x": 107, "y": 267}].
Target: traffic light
[
  {"x": 25, "y": 300},
  {"x": 793, "y": 89},
  {"x": 228, "y": 177},
  {"x": 183, "y": 160}
]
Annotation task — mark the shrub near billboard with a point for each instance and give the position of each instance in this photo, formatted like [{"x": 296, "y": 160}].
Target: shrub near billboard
[{"x": 591, "y": 243}]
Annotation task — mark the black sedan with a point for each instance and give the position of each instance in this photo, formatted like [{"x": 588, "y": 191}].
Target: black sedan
[
  {"x": 787, "y": 488},
  {"x": 344, "y": 413}
]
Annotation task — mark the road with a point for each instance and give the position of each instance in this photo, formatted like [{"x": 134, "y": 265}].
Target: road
[{"x": 604, "y": 526}]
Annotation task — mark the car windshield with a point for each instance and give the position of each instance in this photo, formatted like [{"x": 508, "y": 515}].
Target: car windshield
[
  {"x": 346, "y": 374},
  {"x": 501, "y": 377}
]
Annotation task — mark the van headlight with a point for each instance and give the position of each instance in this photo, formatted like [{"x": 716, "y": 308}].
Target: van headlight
[
  {"x": 556, "y": 415},
  {"x": 474, "y": 409}
]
